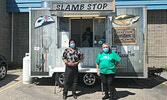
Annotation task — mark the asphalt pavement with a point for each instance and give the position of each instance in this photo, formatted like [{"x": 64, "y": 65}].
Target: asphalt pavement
[{"x": 152, "y": 88}]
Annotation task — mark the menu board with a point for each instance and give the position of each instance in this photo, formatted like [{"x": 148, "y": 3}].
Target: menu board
[{"x": 124, "y": 36}]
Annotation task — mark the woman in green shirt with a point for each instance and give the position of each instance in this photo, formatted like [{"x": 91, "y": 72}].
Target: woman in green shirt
[{"x": 106, "y": 63}]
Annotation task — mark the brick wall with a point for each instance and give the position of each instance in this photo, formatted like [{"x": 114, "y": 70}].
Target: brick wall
[
  {"x": 157, "y": 38},
  {"x": 5, "y": 32},
  {"x": 21, "y": 37}
]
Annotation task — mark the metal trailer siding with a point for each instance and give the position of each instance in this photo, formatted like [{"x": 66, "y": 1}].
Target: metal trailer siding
[
  {"x": 36, "y": 36},
  {"x": 134, "y": 64}
]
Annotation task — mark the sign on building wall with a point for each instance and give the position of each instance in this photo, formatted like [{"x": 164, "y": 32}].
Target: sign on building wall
[
  {"x": 124, "y": 36},
  {"x": 83, "y": 6}
]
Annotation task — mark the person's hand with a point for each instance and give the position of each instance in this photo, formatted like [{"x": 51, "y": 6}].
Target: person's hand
[
  {"x": 65, "y": 61},
  {"x": 117, "y": 64},
  {"x": 98, "y": 73},
  {"x": 70, "y": 64},
  {"x": 73, "y": 64},
  {"x": 76, "y": 63}
]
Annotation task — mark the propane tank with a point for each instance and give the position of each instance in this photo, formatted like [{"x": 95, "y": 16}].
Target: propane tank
[{"x": 26, "y": 69}]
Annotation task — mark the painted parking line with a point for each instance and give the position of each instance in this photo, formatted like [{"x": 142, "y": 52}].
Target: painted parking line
[
  {"x": 14, "y": 71},
  {"x": 12, "y": 85}
]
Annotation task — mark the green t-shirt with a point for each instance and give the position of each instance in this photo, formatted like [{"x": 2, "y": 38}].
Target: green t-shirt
[{"x": 107, "y": 62}]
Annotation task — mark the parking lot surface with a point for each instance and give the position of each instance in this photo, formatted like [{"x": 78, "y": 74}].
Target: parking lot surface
[{"x": 152, "y": 88}]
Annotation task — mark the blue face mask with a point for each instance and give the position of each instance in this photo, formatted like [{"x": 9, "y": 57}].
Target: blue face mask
[
  {"x": 106, "y": 50},
  {"x": 72, "y": 45}
]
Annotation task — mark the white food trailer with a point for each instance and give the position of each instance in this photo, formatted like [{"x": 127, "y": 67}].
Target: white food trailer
[{"x": 51, "y": 28}]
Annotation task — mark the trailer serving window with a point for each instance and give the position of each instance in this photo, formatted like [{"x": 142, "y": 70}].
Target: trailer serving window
[
  {"x": 82, "y": 32},
  {"x": 88, "y": 32}
]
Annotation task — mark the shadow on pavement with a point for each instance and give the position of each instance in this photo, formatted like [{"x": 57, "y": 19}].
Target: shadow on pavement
[
  {"x": 44, "y": 81},
  {"x": 148, "y": 83},
  {"x": 9, "y": 78},
  {"x": 85, "y": 90},
  {"x": 122, "y": 94}
]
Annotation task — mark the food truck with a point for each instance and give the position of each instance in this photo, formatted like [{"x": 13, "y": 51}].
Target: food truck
[{"x": 51, "y": 28}]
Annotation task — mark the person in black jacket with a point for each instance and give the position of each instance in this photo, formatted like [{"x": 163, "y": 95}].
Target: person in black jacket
[{"x": 71, "y": 58}]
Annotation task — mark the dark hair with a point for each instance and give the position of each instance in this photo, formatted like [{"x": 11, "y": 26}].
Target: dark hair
[
  {"x": 110, "y": 51},
  {"x": 88, "y": 29},
  {"x": 72, "y": 40}
]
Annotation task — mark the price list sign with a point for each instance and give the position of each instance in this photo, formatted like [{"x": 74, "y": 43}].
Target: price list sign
[{"x": 124, "y": 36}]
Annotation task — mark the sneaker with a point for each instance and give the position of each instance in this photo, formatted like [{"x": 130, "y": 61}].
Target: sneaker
[
  {"x": 105, "y": 97},
  {"x": 75, "y": 96}
]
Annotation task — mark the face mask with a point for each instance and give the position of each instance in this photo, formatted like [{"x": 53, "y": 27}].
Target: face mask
[
  {"x": 72, "y": 45},
  {"x": 106, "y": 50}
]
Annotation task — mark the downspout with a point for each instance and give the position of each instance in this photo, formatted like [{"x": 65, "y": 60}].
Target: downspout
[{"x": 12, "y": 40}]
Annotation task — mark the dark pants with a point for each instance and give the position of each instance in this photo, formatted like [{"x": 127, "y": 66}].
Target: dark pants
[
  {"x": 107, "y": 80},
  {"x": 71, "y": 78}
]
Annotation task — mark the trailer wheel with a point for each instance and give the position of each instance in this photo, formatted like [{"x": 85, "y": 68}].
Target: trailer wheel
[
  {"x": 61, "y": 79},
  {"x": 89, "y": 79}
]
